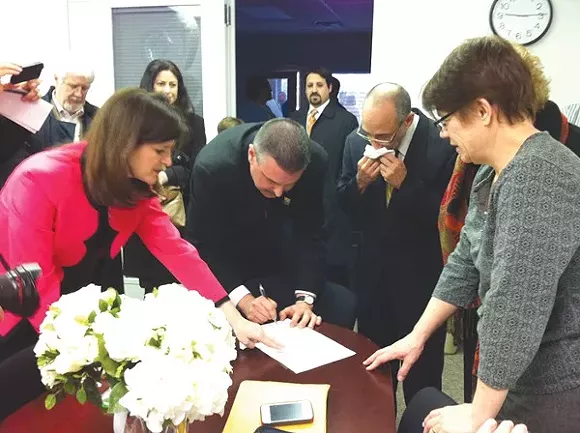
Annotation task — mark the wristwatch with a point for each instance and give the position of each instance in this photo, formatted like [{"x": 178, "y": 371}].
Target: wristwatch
[{"x": 308, "y": 299}]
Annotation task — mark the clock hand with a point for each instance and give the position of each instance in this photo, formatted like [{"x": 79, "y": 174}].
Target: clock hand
[{"x": 524, "y": 15}]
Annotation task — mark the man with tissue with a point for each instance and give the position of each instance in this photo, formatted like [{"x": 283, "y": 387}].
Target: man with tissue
[{"x": 394, "y": 172}]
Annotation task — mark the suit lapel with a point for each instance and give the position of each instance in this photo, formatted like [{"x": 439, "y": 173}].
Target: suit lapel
[{"x": 416, "y": 153}]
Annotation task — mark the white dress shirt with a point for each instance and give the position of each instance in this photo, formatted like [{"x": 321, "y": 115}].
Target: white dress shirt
[
  {"x": 404, "y": 146},
  {"x": 318, "y": 109}
]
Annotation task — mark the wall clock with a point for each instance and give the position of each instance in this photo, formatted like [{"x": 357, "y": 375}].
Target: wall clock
[{"x": 521, "y": 21}]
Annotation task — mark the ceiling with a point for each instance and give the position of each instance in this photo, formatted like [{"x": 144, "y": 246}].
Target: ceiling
[{"x": 303, "y": 16}]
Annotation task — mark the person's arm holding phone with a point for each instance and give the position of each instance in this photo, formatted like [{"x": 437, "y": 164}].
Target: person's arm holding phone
[{"x": 28, "y": 88}]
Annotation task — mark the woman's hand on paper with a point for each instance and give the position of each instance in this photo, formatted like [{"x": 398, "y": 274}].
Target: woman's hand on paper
[{"x": 249, "y": 333}]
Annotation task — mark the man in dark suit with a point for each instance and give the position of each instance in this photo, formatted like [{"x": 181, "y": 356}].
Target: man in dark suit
[
  {"x": 256, "y": 216},
  {"x": 328, "y": 125},
  {"x": 395, "y": 200}
]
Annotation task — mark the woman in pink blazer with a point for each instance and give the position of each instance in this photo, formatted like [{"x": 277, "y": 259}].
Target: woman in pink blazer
[{"x": 72, "y": 208}]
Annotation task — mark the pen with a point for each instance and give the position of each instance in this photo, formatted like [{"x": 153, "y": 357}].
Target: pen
[{"x": 263, "y": 293}]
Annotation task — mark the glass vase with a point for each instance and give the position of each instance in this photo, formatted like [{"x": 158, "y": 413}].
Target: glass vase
[{"x": 122, "y": 423}]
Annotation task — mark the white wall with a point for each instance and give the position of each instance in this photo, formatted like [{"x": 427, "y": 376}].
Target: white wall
[
  {"x": 34, "y": 31},
  {"x": 46, "y": 30},
  {"x": 411, "y": 38}
]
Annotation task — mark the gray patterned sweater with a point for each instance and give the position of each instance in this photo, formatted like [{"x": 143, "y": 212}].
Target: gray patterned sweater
[{"x": 520, "y": 249}]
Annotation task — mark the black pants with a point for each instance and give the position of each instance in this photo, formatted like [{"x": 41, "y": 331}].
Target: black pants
[
  {"x": 19, "y": 375},
  {"x": 335, "y": 303},
  {"x": 418, "y": 408}
]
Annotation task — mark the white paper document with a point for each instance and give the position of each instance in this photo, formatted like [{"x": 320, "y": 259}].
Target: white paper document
[
  {"x": 304, "y": 349},
  {"x": 29, "y": 115}
]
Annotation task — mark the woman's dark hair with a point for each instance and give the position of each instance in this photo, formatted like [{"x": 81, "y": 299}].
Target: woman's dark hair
[
  {"x": 486, "y": 67},
  {"x": 148, "y": 82},
  {"x": 129, "y": 119}
]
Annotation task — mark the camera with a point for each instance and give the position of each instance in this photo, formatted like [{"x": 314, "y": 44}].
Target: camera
[{"x": 18, "y": 292}]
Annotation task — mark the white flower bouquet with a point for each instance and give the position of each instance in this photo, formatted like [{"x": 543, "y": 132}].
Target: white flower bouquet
[{"x": 166, "y": 359}]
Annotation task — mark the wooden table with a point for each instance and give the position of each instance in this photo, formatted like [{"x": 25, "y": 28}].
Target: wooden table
[{"x": 358, "y": 400}]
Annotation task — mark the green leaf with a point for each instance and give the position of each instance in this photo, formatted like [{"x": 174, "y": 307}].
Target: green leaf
[
  {"x": 50, "y": 401},
  {"x": 82, "y": 395},
  {"x": 103, "y": 306},
  {"x": 108, "y": 364},
  {"x": 92, "y": 393},
  {"x": 49, "y": 327},
  {"x": 117, "y": 392},
  {"x": 92, "y": 316},
  {"x": 121, "y": 369},
  {"x": 116, "y": 301},
  {"x": 69, "y": 388}
]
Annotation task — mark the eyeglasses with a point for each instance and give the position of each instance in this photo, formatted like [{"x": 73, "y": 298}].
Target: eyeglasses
[
  {"x": 441, "y": 123},
  {"x": 381, "y": 139}
]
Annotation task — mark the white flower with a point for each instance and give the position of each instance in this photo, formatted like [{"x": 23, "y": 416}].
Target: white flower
[
  {"x": 179, "y": 348},
  {"x": 48, "y": 377},
  {"x": 165, "y": 388},
  {"x": 81, "y": 303},
  {"x": 48, "y": 342},
  {"x": 125, "y": 336},
  {"x": 74, "y": 355}
]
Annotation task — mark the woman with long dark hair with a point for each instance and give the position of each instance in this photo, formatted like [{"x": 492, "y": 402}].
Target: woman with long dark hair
[{"x": 164, "y": 77}]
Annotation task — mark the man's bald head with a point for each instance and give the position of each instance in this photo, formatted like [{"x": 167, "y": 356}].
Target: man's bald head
[{"x": 391, "y": 94}]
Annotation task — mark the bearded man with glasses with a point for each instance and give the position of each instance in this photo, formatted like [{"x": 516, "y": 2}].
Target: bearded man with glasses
[
  {"x": 394, "y": 200},
  {"x": 71, "y": 115}
]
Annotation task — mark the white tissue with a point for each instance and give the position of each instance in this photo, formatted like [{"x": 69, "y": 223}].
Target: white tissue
[{"x": 372, "y": 153}]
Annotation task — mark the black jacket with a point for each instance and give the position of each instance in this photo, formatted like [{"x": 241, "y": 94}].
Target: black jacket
[
  {"x": 242, "y": 234},
  {"x": 14, "y": 147},
  {"x": 403, "y": 238},
  {"x": 184, "y": 156},
  {"x": 330, "y": 131},
  {"x": 53, "y": 132}
]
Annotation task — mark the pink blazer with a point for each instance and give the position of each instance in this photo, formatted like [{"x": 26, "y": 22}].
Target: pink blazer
[{"x": 45, "y": 217}]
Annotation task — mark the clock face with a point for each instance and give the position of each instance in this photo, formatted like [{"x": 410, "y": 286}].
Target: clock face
[{"x": 521, "y": 21}]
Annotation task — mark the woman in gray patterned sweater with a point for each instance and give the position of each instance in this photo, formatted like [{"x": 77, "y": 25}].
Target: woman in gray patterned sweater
[{"x": 519, "y": 249}]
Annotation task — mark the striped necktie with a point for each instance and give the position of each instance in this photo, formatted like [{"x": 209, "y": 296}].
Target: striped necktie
[
  {"x": 311, "y": 120},
  {"x": 391, "y": 188}
]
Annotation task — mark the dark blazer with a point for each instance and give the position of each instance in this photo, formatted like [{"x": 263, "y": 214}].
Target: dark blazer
[
  {"x": 53, "y": 132},
  {"x": 13, "y": 147},
  {"x": 242, "y": 234},
  {"x": 330, "y": 131},
  {"x": 184, "y": 156},
  {"x": 403, "y": 237}
]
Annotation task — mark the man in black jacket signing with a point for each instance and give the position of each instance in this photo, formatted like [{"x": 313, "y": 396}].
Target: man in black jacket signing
[{"x": 256, "y": 215}]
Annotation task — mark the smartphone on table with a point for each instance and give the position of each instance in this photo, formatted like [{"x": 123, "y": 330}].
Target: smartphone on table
[{"x": 291, "y": 412}]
